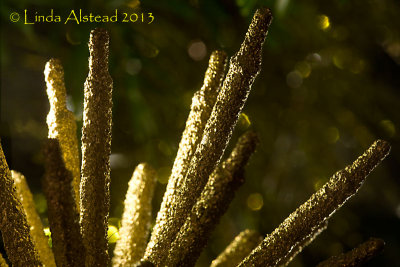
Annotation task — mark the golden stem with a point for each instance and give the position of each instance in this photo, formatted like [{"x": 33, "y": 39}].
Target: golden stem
[
  {"x": 3, "y": 262},
  {"x": 136, "y": 219},
  {"x": 63, "y": 216},
  {"x": 61, "y": 121},
  {"x": 36, "y": 227},
  {"x": 244, "y": 67},
  {"x": 96, "y": 150},
  {"x": 358, "y": 256},
  {"x": 212, "y": 204},
  {"x": 302, "y": 244},
  {"x": 14, "y": 226},
  {"x": 238, "y": 249},
  {"x": 321, "y": 205},
  {"x": 202, "y": 104}
]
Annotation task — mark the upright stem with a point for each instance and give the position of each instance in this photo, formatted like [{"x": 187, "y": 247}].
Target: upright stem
[
  {"x": 41, "y": 241},
  {"x": 238, "y": 249},
  {"x": 96, "y": 150},
  {"x": 14, "y": 227},
  {"x": 202, "y": 104},
  {"x": 61, "y": 122},
  {"x": 63, "y": 216},
  {"x": 136, "y": 219}
]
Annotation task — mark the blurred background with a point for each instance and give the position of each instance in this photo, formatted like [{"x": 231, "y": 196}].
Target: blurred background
[{"x": 328, "y": 88}]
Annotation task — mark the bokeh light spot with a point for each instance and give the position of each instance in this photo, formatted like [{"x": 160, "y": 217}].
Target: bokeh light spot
[
  {"x": 294, "y": 79},
  {"x": 40, "y": 202},
  {"x": 133, "y": 66},
  {"x": 323, "y": 22},
  {"x": 112, "y": 234},
  {"x": 388, "y": 127},
  {"x": 197, "y": 50},
  {"x": 319, "y": 182},
  {"x": 163, "y": 174},
  {"x": 303, "y": 68},
  {"x": 255, "y": 201},
  {"x": 244, "y": 121},
  {"x": 332, "y": 135},
  {"x": 357, "y": 66},
  {"x": 133, "y": 3}
]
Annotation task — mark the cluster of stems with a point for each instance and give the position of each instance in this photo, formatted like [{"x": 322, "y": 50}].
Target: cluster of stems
[{"x": 198, "y": 193}]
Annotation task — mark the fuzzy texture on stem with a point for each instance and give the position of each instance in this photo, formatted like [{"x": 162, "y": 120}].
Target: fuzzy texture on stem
[
  {"x": 202, "y": 104},
  {"x": 96, "y": 150},
  {"x": 358, "y": 256},
  {"x": 61, "y": 121},
  {"x": 238, "y": 249},
  {"x": 244, "y": 67},
  {"x": 63, "y": 216},
  {"x": 36, "y": 227},
  {"x": 322, "y": 204},
  {"x": 3, "y": 262},
  {"x": 302, "y": 244},
  {"x": 136, "y": 219},
  {"x": 212, "y": 204},
  {"x": 14, "y": 226}
]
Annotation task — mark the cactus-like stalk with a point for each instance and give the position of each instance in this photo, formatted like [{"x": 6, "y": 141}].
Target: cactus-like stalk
[
  {"x": 202, "y": 103},
  {"x": 36, "y": 227},
  {"x": 322, "y": 204},
  {"x": 96, "y": 150},
  {"x": 136, "y": 219},
  {"x": 61, "y": 121},
  {"x": 212, "y": 204},
  {"x": 302, "y": 244},
  {"x": 63, "y": 216},
  {"x": 14, "y": 226},
  {"x": 238, "y": 249},
  {"x": 3, "y": 262},
  {"x": 358, "y": 256},
  {"x": 244, "y": 67}
]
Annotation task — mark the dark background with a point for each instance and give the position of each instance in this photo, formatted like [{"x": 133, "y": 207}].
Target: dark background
[{"x": 328, "y": 88}]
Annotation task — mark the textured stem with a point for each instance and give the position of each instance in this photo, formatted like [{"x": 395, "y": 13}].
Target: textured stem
[
  {"x": 322, "y": 204},
  {"x": 36, "y": 227},
  {"x": 302, "y": 244},
  {"x": 62, "y": 213},
  {"x": 3, "y": 262},
  {"x": 238, "y": 249},
  {"x": 244, "y": 67},
  {"x": 136, "y": 219},
  {"x": 14, "y": 227},
  {"x": 358, "y": 256},
  {"x": 212, "y": 204},
  {"x": 61, "y": 121},
  {"x": 96, "y": 150},
  {"x": 202, "y": 104}
]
